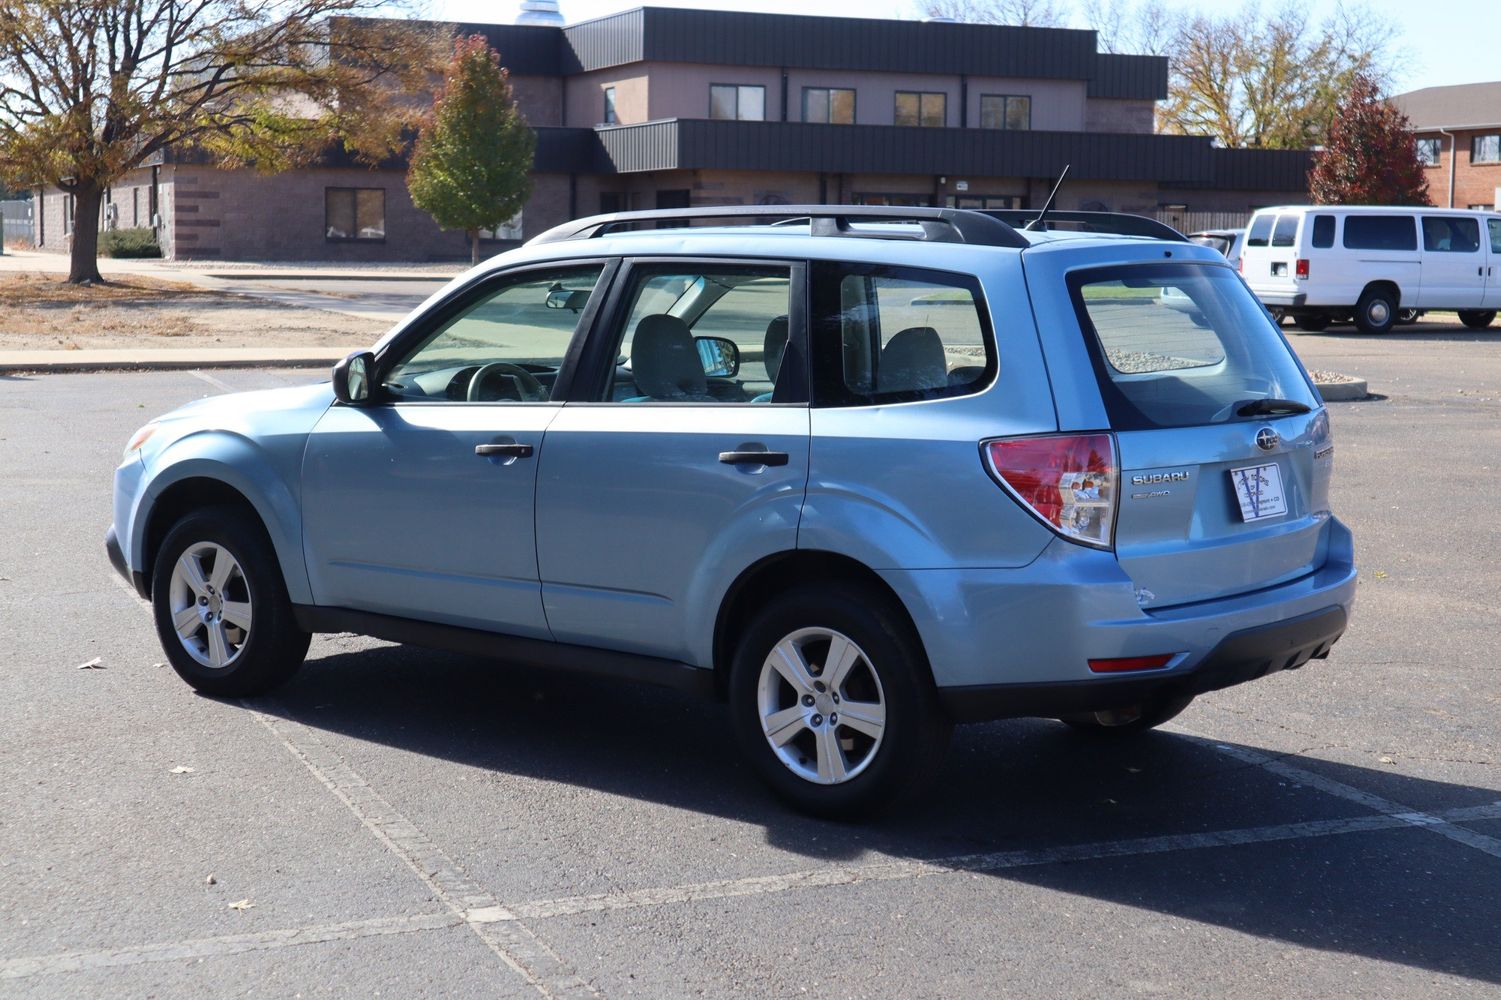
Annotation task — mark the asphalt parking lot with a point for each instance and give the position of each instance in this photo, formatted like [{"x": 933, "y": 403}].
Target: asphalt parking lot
[{"x": 402, "y": 823}]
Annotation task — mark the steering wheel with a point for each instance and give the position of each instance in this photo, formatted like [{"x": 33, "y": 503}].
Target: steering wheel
[{"x": 516, "y": 379}]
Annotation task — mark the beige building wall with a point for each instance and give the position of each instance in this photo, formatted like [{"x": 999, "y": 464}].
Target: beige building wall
[
  {"x": 681, "y": 90},
  {"x": 586, "y": 97}
]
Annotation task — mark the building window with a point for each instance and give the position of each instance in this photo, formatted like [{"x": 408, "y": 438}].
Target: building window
[
  {"x": 829, "y": 105},
  {"x": 928, "y": 110},
  {"x": 737, "y": 102},
  {"x": 1485, "y": 149},
  {"x": 900, "y": 200},
  {"x": 508, "y": 230},
  {"x": 354, "y": 214},
  {"x": 982, "y": 201},
  {"x": 1481, "y": 208},
  {"x": 1005, "y": 111},
  {"x": 1428, "y": 152},
  {"x": 610, "y": 118}
]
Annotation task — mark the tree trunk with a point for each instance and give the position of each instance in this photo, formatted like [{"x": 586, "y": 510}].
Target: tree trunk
[
  {"x": 474, "y": 246},
  {"x": 83, "y": 263}
]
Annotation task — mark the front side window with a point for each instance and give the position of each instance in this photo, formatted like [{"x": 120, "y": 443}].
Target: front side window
[
  {"x": 829, "y": 105},
  {"x": 1494, "y": 225},
  {"x": 354, "y": 214},
  {"x": 1381, "y": 232},
  {"x": 894, "y": 335},
  {"x": 704, "y": 334},
  {"x": 1485, "y": 149},
  {"x": 737, "y": 102},
  {"x": 1005, "y": 111},
  {"x": 1428, "y": 152},
  {"x": 610, "y": 117},
  {"x": 505, "y": 342},
  {"x": 1451, "y": 234},
  {"x": 1181, "y": 345},
  {"x": 924, "y": 109}
]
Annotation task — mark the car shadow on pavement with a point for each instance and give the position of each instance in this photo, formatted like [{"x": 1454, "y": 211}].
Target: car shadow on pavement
[{"x": 1011, "y": 794}]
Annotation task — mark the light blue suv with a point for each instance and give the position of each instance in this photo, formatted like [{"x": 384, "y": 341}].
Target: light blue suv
[{"x": 861, "y": 473}]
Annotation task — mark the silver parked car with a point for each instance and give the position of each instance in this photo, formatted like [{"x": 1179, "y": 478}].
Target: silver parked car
[{"x": 862, "y": 474}]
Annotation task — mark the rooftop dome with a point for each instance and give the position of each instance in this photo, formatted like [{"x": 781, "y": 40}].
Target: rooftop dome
[{"x": 543, "y": 12}]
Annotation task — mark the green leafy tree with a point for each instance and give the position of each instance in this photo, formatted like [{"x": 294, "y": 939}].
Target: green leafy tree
[
  {"x": 472, "y": 166},
  {"x": 1371, "y": 158},
  {"x": 91, "y": 89}
]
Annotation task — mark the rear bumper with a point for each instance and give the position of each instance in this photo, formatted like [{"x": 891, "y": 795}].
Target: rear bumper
[
  {"x": 1242, "y": 656},
  {"x": 1290, "y": 300}
]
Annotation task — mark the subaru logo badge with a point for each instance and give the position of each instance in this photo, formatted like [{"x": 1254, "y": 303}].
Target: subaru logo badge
[{"x": 1266, "y": 439}]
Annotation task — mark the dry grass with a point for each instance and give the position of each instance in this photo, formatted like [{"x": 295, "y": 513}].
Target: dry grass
[{"x": 42, "y": 311}]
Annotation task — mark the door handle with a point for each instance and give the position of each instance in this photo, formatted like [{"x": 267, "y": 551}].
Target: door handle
[
  {"x": 753, "y": 457},
  {"x": 503, "y": 450}
]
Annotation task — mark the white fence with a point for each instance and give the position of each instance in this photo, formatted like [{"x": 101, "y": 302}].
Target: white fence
[{"x": 16, "y": 222}]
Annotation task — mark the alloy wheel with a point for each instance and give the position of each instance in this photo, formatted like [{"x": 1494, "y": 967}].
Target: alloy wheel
[
  {"x": 821, "y": 706},
  {"x": 210, "y": 604}
]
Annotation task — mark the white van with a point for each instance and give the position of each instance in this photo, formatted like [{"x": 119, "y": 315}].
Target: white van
[{"x": 1323, "y": 263}]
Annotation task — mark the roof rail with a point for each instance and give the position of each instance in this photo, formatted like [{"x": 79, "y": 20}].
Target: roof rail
[
  {"x": 938, "y": 225},
  {"x": 1117, "y": 223}
]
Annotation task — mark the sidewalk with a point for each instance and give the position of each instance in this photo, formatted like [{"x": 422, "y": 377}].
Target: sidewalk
[{"x": 161, "y": 359}]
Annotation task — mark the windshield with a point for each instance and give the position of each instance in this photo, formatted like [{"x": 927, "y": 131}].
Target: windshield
[{"x": 1180, "y": 345}]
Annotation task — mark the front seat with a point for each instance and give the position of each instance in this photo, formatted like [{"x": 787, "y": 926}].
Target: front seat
[
  {"x": 665, "y": 362},
  {"x": 913, "y": 361},
  {"x": 774, "y": 346}
]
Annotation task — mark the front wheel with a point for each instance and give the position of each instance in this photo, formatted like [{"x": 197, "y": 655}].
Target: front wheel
[
  {"x": 1376, "y": 311},
  {"x": 221, "y": 608},
  {"x": 1477, "y": 319},
  {"x": 833, "y": 702},
  {"x": 1408, "y": 316}
]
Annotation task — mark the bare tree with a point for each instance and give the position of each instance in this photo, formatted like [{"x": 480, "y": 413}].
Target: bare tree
[
  {"x": 1139, "y": 27},
  {"x": 90, "y": 89},
  {"x": 1023, "y": 13}
]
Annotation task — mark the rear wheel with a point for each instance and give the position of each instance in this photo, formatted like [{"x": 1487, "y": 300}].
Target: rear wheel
[
  {"x": 1129, "y": 721},
  {"x": 1312, "y": 322},
  {"x": 833, "y": 702},
  {"x": 1376, "y": 311},
  {"x": 221, "y": 608},
  {"x": 1477, "y": 319}
]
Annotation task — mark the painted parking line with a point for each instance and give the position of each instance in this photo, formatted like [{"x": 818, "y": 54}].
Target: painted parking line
[
  {"x": 493, "y": 916},
  {"x": 510, "y": 939},
  {"x": 1439, "y": 823}
]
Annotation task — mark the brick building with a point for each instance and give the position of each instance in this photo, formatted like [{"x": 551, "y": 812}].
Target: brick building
[
  {"x": 656, "y": 108},
  {"x": 1459, "y": 141}
]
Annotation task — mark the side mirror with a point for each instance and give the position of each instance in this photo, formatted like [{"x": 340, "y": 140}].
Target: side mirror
[
  {"x": 352, "y": 378},
  {"x": 719, "y": 356}
]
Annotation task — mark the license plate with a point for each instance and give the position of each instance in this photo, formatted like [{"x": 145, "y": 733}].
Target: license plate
[{"x": 1259, "y": 490}]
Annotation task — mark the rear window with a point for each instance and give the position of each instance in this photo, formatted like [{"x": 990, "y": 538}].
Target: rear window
[
  {"x": 1181, "y": 345},
  {"x": 1381, "y": 232},
  {"x": 1260, "y": 231},
  {"x": 1286, "y": 232},
  {"x": 1220, "y": 243}
]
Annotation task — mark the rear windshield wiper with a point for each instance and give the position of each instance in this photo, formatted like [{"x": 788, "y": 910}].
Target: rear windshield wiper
[{"x": 1268, "y": 407}]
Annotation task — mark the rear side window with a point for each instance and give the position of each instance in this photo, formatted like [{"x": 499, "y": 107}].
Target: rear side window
[
  {"x": 1381, "y": 232},
  {"x": 1323, "y": 231},
  {"x": 893, "y": 335},
  {"x": 1451, "y": 234},
  {"x": 1181, "y": 345},
  {"x": 1286, "y": 232},
  {"x": 1260, "y": 231}
]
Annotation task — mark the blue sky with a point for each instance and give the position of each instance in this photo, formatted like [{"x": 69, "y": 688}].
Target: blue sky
[{"x": 1440, "y": 41}]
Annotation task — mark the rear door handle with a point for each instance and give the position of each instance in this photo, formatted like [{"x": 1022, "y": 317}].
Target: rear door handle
[
  {"x": 503, "y": 450},
  {"x": 753, "y": 457}
]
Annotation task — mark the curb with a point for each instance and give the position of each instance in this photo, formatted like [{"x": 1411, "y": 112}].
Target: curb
[
  {"x": 1343, "y": 392},
  {"x": 62, "y": 366},
  {"x": 319, "y": 276}
]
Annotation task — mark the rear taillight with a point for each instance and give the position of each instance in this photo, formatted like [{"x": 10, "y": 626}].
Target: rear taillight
[
  {"x": 1302, "y": 270},
  {"x": 1070, "y": 481},
  {"x": 1124, "y": 664}
]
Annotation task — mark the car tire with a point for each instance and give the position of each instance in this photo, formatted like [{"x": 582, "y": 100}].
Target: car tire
[
  {"x": 221, "y": 607},
  {"x": 1477, "y": 319},
  {"x": 1407, "y": 317},
  {"x": 1119, "y": 723},
  {"x": 795, "y": 721},
  {"x": 1376, "y": 311},
  {"x": 1312, "y": 322},
  {"x": 1278, "y": 315}
]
